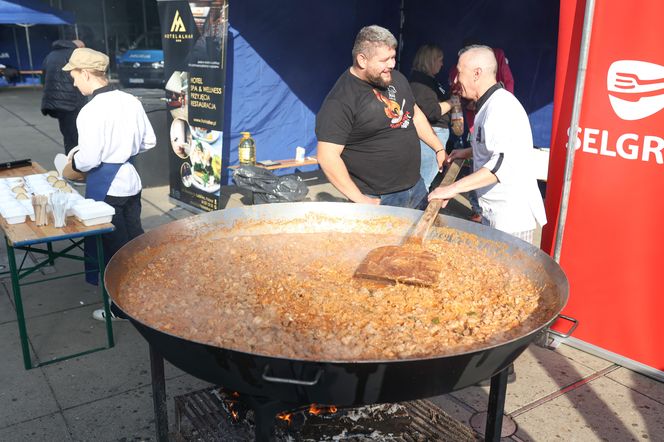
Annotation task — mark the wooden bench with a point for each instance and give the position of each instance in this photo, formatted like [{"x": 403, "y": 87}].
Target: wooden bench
[
  {"x": 282, "y": 164},
  {"x": 33, "y": 72}
]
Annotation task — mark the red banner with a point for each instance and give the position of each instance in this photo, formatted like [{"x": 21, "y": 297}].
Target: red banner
[{"x": 613, "y": 240}]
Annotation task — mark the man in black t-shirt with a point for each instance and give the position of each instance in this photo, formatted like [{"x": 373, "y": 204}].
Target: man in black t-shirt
[{"x": 369, "y": 127}]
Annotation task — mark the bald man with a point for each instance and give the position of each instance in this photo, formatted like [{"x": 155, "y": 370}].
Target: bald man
[{"x": 501, "y": 148}]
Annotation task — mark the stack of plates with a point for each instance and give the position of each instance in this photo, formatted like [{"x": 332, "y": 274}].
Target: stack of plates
[
  {"x": 16, "y": 194},
  {"x": 91, "y": 212},
  {"x": 15, "y": 200}
]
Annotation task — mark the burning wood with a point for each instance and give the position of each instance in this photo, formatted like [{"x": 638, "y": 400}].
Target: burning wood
[
  {"x": 286, "y": 417},
  {"x": 316, "y": 410},
  {"x": 405, "y": 422}
]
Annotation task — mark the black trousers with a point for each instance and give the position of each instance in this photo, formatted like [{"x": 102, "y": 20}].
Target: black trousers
[
  {"x": 127, "y": 222},
  {"x": 67, "y": 123}
]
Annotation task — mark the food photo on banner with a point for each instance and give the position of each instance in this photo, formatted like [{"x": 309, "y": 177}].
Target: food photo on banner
[{"x": 194, "y": 42}]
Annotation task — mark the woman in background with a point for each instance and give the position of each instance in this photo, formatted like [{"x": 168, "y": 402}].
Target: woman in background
[{"x": 433, "y": 100}]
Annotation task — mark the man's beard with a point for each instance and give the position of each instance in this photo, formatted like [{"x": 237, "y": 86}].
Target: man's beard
[{"x": 378, "y": 81}]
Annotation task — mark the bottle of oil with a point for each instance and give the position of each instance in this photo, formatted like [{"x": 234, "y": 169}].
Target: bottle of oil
[
  {"x": 246, "y": 150},
  {"x": 456, "y": 116}
]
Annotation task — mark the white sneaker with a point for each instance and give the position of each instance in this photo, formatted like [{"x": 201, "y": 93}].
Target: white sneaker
[{"x": 100, "y": 315}]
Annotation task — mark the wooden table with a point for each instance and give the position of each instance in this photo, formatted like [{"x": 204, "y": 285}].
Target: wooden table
[{"x": 28, "y": 237}]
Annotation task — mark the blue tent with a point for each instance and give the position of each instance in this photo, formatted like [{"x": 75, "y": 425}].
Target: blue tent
[
  {"x": 32, "y": 12},
  {"x": 26, "y": 13},
  {"x": 282, "y": 59}
]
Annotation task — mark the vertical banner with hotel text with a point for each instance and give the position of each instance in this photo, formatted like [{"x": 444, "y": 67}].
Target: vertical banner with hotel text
[
  {"x": 613, "y": 243},
  {"x": 194, "y": 42}
]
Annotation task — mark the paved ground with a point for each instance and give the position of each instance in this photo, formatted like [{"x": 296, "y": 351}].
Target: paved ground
[{"x": 562, "y": 395}]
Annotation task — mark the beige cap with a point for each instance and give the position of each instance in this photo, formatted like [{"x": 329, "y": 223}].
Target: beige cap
[{"x": 86, "y": 58}]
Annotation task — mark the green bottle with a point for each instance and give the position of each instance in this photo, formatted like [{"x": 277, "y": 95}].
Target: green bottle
[{"x": 246, "y": 150}]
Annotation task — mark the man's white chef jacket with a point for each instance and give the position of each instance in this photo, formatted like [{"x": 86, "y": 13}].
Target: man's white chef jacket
[{"x": 502, "y": 142}]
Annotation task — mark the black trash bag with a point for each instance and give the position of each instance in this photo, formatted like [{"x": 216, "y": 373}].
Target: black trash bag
[{"x": 269, "y": 188}]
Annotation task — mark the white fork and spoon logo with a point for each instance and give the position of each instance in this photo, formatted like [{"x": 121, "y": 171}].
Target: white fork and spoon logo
[{"x": 636, "y": 88}]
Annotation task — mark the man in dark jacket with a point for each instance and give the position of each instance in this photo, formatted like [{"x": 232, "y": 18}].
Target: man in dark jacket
[{"x": 61, "y": 99}]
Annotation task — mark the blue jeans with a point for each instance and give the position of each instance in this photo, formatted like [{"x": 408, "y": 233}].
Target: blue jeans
[
  {"x": 413, "y": 198},
  {"x": 428, "y": 162}
]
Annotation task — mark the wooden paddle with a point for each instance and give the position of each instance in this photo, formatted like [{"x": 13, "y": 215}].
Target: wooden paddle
[{"x": 409, "y": 263}]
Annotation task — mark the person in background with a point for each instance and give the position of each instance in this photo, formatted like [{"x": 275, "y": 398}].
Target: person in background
[
  {"x": 112, "y": 129},
  {"x": 369, "y": 128},
  {"x": 10, "y": 74},
  {"x": 503, "y": 71},
  {"x": 434, "y": 101},
  {"x": 61, "y": 99},
  {"x": 501, "y": 144}
]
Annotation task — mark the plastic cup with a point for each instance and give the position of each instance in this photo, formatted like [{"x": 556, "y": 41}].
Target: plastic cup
[{"x": 59, "y": 208}]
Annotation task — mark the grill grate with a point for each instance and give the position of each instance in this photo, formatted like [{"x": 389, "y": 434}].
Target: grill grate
[{"x": 205, "y": 416}]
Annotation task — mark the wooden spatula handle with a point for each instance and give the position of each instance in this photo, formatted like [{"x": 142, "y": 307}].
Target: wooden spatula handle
[
  {"x": 431, "y": 212},
  {"x": 452, "y": 172},
  {"x": 426, "y": 220}
]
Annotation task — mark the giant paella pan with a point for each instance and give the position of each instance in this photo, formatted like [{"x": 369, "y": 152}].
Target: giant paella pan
[{"x": 262, "y": 300}]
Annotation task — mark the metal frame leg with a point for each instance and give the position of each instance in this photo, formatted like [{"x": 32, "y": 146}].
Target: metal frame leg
[
  {"x": 104, "y": 294},
  {"x": 17, "y": 273},
  {"x": 51, "y": 259},
  {"x": 159, "y": 394},
  {"x": 265, "y": 413},
  {"x": 18, "y": 302},
  {"x": 496, "y": 407}
]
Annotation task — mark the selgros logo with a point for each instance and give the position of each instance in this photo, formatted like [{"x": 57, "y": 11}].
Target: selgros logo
[
  {"x": 635, "y": 88},
  {"x": 636, "y": 91}
]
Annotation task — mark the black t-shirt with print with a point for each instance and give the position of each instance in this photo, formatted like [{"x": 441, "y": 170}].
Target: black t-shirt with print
[{"x": 375, "y": 126}]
